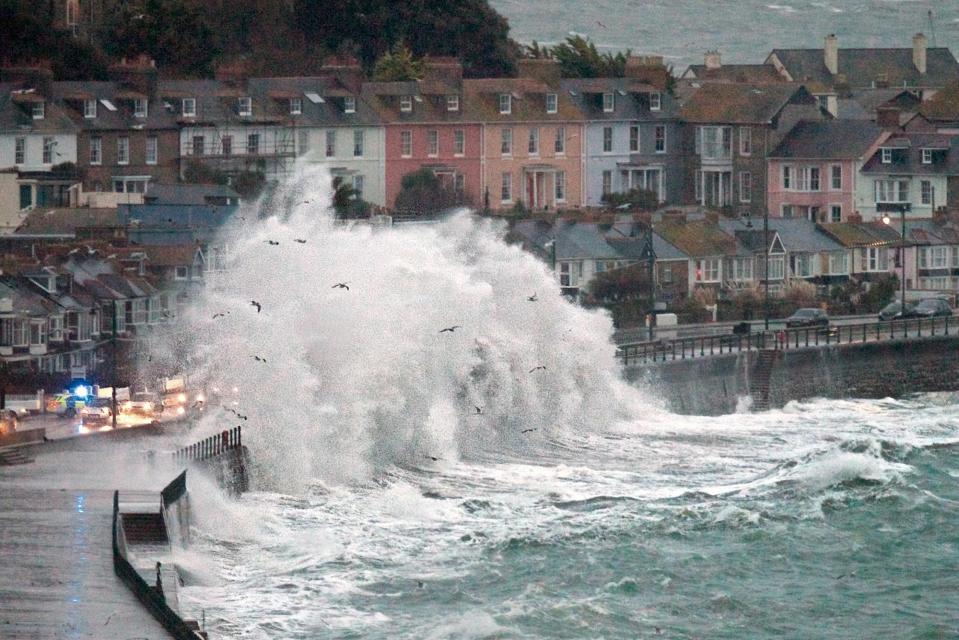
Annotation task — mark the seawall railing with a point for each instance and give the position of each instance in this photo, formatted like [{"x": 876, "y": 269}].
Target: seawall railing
[
  {"x": 211, "y": 447},
  {"x": 150, "y": 596},
  {"x": 797, "y": 338}
]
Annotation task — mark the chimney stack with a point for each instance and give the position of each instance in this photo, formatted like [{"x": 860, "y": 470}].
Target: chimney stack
[
  {"x": 831, "y": 53},
  {"x": 713, "y": 59},
  {"x": 139, "y": 74},
  {"x": 347, "y": 70},
  {"x": 919, "y": 52}
]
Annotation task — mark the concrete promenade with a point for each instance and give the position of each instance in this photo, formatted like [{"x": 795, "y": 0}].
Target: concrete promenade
[{"x": 56, "y": 561}]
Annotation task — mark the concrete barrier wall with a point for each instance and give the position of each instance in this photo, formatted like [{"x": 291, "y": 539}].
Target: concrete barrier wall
[{"x": 717, "y": 385}]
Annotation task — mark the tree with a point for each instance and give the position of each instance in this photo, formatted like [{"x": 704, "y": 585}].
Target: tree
[
  {"x": 579, "y": 58},
  {"x": 397, "y": 65},
  {"x": 175, "y": 33},
  {"x": 347, "y": 203},
  {"x": 423, "y": 193}
]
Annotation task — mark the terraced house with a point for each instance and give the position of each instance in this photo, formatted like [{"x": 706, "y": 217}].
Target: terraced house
[
  {"x": 729, "y": 131},
  {"x": 632, "y": 135},
  {"x": 532, "y": 139},
  {"x": 127, "y": 136},
  {"x": 428, "y": 124}
]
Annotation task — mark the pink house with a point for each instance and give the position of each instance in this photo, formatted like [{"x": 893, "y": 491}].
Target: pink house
[
  {"x": 427, "y": 126},
  {"x": 812, "y": 173},
  {"x": 533, "y": 136}
]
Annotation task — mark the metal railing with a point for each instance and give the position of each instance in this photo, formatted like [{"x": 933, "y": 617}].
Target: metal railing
[
  {"x": 210, "y": 447},
  {"x": 786, "y": 339}
]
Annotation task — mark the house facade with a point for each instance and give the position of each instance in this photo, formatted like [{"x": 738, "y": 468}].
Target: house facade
[
  {"x": 729, "y": 130},
  {"x": 918, "y": 171},
  {"x": 532, "y": 139},
  {"x": 813, "y": 173},
  {"x": 632, "y": 138}
]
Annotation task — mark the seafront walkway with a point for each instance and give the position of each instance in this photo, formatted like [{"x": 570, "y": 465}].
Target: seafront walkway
[
  {"x": 651, "y": 352},
  {"x": 56, "y": 559}
]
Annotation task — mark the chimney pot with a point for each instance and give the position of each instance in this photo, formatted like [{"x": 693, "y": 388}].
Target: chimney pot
[
  {"x": 919, "y": 52},
  {"x": 831, "y": 53},
  {"x": 713, "y": 59}
]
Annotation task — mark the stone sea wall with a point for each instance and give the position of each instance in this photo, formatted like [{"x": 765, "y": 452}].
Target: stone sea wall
[{"x": 719, "y": 384}]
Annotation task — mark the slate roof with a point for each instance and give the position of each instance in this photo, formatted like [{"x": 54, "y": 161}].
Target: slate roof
[
  {"x": 16, "y": 117},
  {"x": 187, "y": 194},
  {"x": 73, "y": 93},
  {"x": 861, "y": 234},
  {"x": 631, "y": 101},
  {"x": 66, "y": 220},
  {"x": 944, "y": 106},
  {"x": 828, "y": 139},
  {"x": 862, "y": 66},
  {"x": 909, "y": 160},
  {"x": 742, "y": 73},
  {"x": 632, "y": 232},
  {"x": 158, "y": 255},
  {"x": 925, "y": 231},
  {"x": 872, "y": 99},
  {"x": 698, "y": 238},
  {"x": 384, "y": 98},
  {"x": 315, "y": 114},
  {"x": 741, "y": 103},
  {"x": 528, "y": 101},
  {"x": 798, "y": 235}
]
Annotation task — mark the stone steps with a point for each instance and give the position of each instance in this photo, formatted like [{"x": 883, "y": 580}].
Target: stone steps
[{"x": 11, "y": 457}]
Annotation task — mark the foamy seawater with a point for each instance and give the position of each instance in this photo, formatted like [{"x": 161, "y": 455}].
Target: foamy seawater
[{"x": 502, "y": 481}]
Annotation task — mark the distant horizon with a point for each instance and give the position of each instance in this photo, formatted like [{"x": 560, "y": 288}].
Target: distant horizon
[{"x": 613, "y": 25}]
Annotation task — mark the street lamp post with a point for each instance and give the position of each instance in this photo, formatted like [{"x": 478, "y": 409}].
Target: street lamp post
[
  {"x": 903, "y": 207},
  {"x": 650, "y": 255},
  {"x": 766, "y": 271}
]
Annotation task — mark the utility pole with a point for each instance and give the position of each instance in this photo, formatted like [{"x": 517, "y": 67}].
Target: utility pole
[
  {"x": 766, "y": 271},
  {"x": 650, "y": 255},
  {"x": 113, "y": 341},
  {"x": 902, "y": 258}
]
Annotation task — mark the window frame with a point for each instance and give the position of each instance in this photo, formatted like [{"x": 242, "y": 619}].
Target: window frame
[
  {"x": 359, "y": 143},
  {"x": 505, "y": 104},
  {"x": 506, "y": 187},
  {"x": 655, "y": 101},
  {"x": 191, "y": 112},
  {"x": 296, "y": 106},
  {"x": 38, "y": 110},
  {"x": 927, "y": 156},
  {"x": 123, "y": 143},
  {"x": 96, "y": 145},
  {"x": 406, "y": 104},
  {"x": 532, "y": 145},
  {"x": 244, "y": 106},
  {"x": 452, "y": 103},
  {"x": 745, "y": 186},
  {"x": 152, "y": 150},
  {"x": 886, "y": 155},
  {"x": 432, "y": 143},
  {"x": 87, "y": 112},
  {"x": 559, "y": 141},
  {"x": 552, "y": 103},
  {"x": 506, "y": 141},
  {"x": 745, "y": 141},
  {"x": 406, "y": 143},
  {"x": 634, "y": 138},
  {"x": 329, "y": 143},
  {"x": 140, "y": 107},
  {"x": 660, "y": 140},
  {"x": 607, "y": 140},
  {"x": 609, "y": 102},
  {"x": 559, "y": 186},
  {"x": 349, "y": 104},
  {"x": 20, "y": 150},
  {"x": 459, "y": 143}
]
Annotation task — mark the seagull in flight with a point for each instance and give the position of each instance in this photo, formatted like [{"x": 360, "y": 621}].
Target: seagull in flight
[
  {"x": 272, "y": 242},
  {"x": 258, "y": 358},
  {"x": 300, "y": 240},
  {"x": 434, "y": 458},
  {"x": 220, "y": 315},
  {"x": 478, "y": 410},
  {"x": 451, "y": 329},
  {"x": 257, "y": 305},
  {"x": 340, "y": 285},
  {"x": 528, "y": 430},
  {"x": 532, "y": 298},
  {"x": 542, "y": 366},
  {"x": 601, "y": 24}
]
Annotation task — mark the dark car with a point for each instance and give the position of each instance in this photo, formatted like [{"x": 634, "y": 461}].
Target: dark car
[
  {"x": 808, "y": 317},
  {"x": 933, "y": 307},
  {"x": 893, "y": 311}
]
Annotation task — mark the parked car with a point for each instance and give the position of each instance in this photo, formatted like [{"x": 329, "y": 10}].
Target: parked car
[
  {"x": 893, "y": 311},
  {"x": 99, "y": 410},
  {"x": 142, "y": 403},
  {"x": 808, "y": 317},
  {"x": 8, "y": 421},
  {"x": 65, "y": 404},
  {"x": 933, "y": 307}
]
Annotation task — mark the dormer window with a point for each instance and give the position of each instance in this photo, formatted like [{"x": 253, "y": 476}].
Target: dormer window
[
  {"x": 927, "y": 156},
  {"x": 609, "y": 102},
  {"x": 89, "y": 108},
  {"x": 886, "y": 156},
  {"x": 406, "y": 104},
  {"x": 140, "y": 108},
  {"x": 655, "y": 101},
  {"x": 189, "y": 107},
  {"x": 505, "y": 103},
  {"x": 550, "y": 103},
  {"x": 349, "y": 104},
  {"x": 452, "y": 103},
  {"x": 244, "y": 106},
  {"x": 38, "y": 110},
  {"x": 296, "y": 106}
]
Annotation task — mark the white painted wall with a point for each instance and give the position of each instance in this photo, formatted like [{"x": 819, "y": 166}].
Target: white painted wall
[
  {"x": 64, "y": 150},
  {"x": 372, "y": 165}
]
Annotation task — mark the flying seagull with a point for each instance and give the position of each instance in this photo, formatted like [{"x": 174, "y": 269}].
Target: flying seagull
[
  {"x": 528, "y": 430},
  {"x": 272, "y": 242},
  {"x": 434, "y": 458},
  {"x": 340, "y": 285},
  {"x": 257, "y": 305},
  {"x": 542, "y": 366},
  {"x": 478, "y": 410},
  {"x": 532, "y": 298},
  {"x": 258, "y": 358},
  {"x": 451, "y": 329},
  {"x": 300, "y": 240},
  {"x": 219, "y": 315}
]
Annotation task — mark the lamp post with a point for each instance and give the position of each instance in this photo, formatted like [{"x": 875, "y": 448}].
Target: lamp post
[
  {"x": 903, "y": 207},
  {"x": 113, "y": 350},
  {"x": 766, "y": 270},
  {"x": 650, "y": 255}
]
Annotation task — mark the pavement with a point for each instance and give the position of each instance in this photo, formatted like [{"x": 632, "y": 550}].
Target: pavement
[{"x": 57, "y": 580}]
